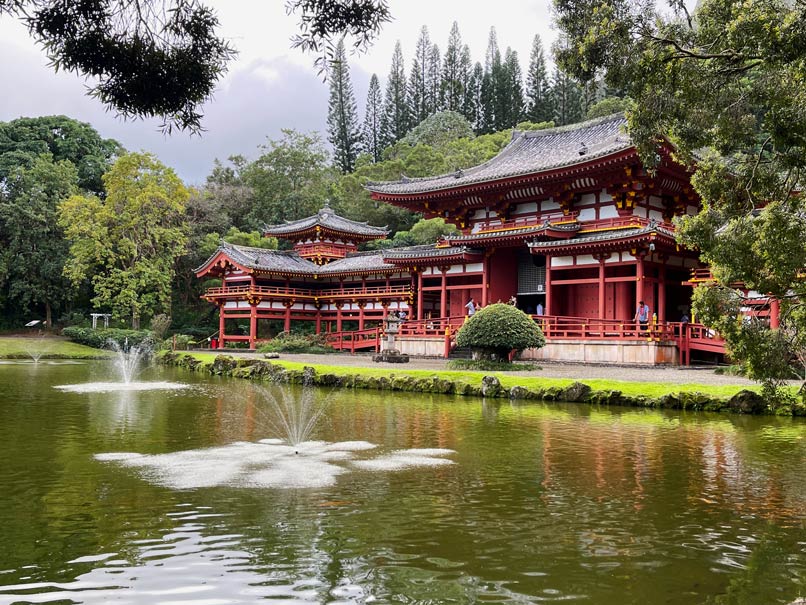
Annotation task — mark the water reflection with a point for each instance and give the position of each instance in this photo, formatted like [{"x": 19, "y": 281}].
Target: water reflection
[{"x": 542, "y": 502}]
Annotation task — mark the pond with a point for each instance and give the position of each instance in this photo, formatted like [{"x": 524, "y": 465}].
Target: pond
[{"x": 186, "y": 495}]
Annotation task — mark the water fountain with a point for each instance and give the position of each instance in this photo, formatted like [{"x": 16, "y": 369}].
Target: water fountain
[
  {"x": 287, "y": 460},
  {"x": 128, "y": 363},
  {"x": 36, "y": 347}
]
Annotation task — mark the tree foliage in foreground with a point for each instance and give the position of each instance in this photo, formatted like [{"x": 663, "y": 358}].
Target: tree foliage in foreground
[
  {"x": 724, "y": 85},
  {"x": 498, "y": 329},
  {"x": 129, "y": 242}
]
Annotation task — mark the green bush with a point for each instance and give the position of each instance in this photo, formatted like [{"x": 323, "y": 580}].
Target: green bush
[
  {"x": 497, "y": 329},
  {"x": 101, "y": 337},
  {"x": 294, "y": 342}
]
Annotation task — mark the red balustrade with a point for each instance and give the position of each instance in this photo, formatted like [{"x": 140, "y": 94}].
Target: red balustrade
[
  {"x": 355, "y": 340},
  {"x": 283, "y": 292},
  {"x": 528, "y": 221}
]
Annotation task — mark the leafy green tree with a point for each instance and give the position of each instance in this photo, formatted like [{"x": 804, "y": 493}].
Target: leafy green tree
[
  {"x": 538, "y": 98},
  {"x": 439, "y": 129},
  {"x": 33, "y": 245},
  {"x": 288, "y": 181},
  {"x": 498, "y": 329},
  {"x": 371, "y": 130},
  {"x": 723, "y": 85},
  {"x": 606, "y": 107},
  {"x": 24, "y": 140},
  {"x": 128, "y": 243},
  {"x": 396, "y": 116},
  {"x": 342, "y": 118}
]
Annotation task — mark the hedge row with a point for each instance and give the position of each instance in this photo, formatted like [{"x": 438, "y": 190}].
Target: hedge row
[{"x": 100, "y": 338}]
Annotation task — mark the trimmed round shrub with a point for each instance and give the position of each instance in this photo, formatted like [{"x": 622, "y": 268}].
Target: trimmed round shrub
[{"x": 498, "y": 329}]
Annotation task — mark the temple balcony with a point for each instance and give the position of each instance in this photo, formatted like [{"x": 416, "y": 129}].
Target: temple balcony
[
  {"x": 283, "y": 293},
  {"x": 323, "y": 251}
]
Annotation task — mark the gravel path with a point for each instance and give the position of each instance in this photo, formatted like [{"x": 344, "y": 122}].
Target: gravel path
[{"x": 681, "y": 375}]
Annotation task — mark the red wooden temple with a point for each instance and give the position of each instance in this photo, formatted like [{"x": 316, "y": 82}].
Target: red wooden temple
[{"x": 567, "y": 221}]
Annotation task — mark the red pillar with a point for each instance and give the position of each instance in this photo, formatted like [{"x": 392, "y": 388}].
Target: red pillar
[
  {"x": 420, "y": 294},
  {"x": 443, "y": 294},
  {"x": 639, "y": 278},
  {"x": 662, "y": 294},
  {"x": 287, "y": 325},
  {"x": 602, "y": 296},
  {"x": 318, "y": 321},
  {"x": 361, "y": 316},
  {"x": 338, "y": 318},
  {"x": 775, "y": 314},
  {"x": 485, "y": 280},
  {"x": 221, "y": 326},
  {"x": 252, "y": 325},
  {"x": 548, "y": 310}
]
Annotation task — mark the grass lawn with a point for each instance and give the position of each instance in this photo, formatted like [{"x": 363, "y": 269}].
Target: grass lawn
[
  {"x": 19, "y": 347},
  {"x": 650, "y": 389}
]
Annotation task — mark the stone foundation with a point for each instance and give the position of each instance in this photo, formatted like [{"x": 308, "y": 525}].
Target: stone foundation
[{"x": 617, "y": 352}]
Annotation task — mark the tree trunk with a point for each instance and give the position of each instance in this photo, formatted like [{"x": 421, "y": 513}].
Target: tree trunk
[
  {"x": 135, "y": 320},
  {"x": 48, "y": 322}
]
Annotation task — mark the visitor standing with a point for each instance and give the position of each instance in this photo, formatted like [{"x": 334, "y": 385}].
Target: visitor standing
[
  {"x": 471, "y": 307},
  {"x": 539, "y": 310},
  {"x": 642, "y": 314}
]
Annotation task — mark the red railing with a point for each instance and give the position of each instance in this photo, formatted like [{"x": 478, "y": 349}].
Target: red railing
[
  {"x": 321, "y": 249},
  {"x": 356, "y": 340},
  {"x": 620, "y": 222},
  {"x": 527, "y": 221},
  {"x": 283, "y": 292}
]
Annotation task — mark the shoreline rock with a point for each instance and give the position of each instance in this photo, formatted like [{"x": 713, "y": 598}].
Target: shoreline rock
[{"x": 743, "y": 402}]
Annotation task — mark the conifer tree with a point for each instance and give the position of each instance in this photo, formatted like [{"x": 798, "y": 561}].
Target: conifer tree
[
  {"x": 433, "y": 82},
  {"x": 371, "y": 130},
  {"x": 342, "y": 116},
  {"x": 395, "y": 120},
  {"x": 511, "y": 92},
  {"x": 454, "y": 72},
  {"x": 538, "y": 101},
  {"x": 467, "y": 107},
  {"x": 418, "y": 80},
  {"x": 474, "y": 100},
  {"x": 566, "y": 99}
]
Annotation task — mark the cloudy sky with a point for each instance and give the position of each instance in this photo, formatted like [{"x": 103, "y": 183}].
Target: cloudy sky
[{"x": 269, "y": 86}]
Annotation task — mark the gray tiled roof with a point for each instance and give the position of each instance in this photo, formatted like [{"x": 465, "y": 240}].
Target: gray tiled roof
[
  {"x": 429, "y": 251},
  {"x": 525, "y": 231},
  {"x": 529, "y": 152},
  {"x": 328, "y": 219},
  {"x": 605, "y": 236},
  {"x": 290, "y": 262},
  {"x": 358, "y": 261}
]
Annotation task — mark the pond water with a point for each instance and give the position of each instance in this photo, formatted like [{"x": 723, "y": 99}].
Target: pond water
[{"x": 185, "y": 496}]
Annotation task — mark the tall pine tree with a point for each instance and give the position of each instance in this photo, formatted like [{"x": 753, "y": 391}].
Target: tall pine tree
[
  {"x": 511, "y": 92},
  {"x": 395, "y": 121},
  {"x": 371, "y": 129},
  {"x": 538, "y": 98},
  {"x": 342, "y": 118},
  {"x": 566, "y": 99},
  {"x": 474, "y": 100},
  {"x": 418, "y": 80},
  {"x": 433, "y": 82},
  {"x": 454, "y": 72}
]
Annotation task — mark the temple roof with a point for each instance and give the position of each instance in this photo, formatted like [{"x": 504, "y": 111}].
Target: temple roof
[
  {"x": 604, "y": 238},
  {"x": 428, "y": 252},
  {"x": 529, "y": 152},
  {"x": 289, "y": 262},
  {"x": 558, "y": 231},
  {"x": 326, "y": 220}
]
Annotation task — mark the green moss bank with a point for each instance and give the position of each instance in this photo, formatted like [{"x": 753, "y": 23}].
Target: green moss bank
[{"x": 477, "y": 384}]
